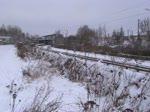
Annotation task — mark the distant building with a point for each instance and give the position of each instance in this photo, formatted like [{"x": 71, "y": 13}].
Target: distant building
[
  {"x": 53, "y": 40},
  {"x": 5, "y": 40},
  {"x": 47, "y": 40}
]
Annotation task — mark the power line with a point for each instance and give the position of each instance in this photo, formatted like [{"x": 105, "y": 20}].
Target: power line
[
  {"x": 136, "y": 15},
  {"x": 124, "y": 10},
  {"x": 124, "y": 18},
  {"x": 133, "y": 7},
  {"x": 129, "y": 8}
]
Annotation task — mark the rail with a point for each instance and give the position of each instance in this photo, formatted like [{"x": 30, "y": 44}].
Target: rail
[{"x": 131, "y": 66}]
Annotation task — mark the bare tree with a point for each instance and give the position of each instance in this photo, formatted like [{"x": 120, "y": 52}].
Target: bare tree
[
  {"x": 118, "y": 37},
  {"x": 101, "y": 34},
  {"x": 86, "y": 35},
  {"x": 145, "y": 27},
  {"x": 145, "y": 30}
]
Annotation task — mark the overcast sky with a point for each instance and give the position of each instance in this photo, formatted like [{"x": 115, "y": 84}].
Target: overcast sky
[{"x": 46, "y": 16}]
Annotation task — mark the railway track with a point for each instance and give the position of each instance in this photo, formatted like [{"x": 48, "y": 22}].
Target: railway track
[{"x": 108, "y": 62}]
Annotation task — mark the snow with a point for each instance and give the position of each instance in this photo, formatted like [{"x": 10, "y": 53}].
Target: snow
[
  {"x": 11, "y": 70},
  {"x": 72, "y": 92},
  {"x": 11, "y": 67}
]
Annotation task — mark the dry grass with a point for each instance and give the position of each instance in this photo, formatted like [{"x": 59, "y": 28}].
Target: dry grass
[{"x": 41, "y": 103}]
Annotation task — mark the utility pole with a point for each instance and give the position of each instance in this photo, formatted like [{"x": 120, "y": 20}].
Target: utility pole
[
  {"x": 128, "y": 33},
  {"x": 66, "y": 38},
  {"x": 138, "y": 28},
  {"x": 139, "y": 41}
]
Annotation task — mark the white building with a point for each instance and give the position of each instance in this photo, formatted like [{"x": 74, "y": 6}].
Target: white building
[{"x": 5, "y": 40}]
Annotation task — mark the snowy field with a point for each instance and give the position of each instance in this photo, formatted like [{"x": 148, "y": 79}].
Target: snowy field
[{"x": 11, "y": 70}]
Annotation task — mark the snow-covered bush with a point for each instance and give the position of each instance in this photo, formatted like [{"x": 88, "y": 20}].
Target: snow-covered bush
[
  {"x": 21, "y": 50},
  {"x": 35, "y": 69},
  {"x": 25, "y": 50}
]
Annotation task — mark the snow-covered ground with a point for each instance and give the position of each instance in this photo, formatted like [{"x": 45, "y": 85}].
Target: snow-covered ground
[
  {"x": 11, "y": 71},
  {"x": 11, "y": 67}
]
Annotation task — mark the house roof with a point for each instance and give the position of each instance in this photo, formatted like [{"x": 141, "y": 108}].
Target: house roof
[
  {"x": 46, "y": 37},
  {"x": 52, "y": 35}
]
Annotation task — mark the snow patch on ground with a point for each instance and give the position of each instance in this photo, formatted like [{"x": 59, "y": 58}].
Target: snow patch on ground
[{"x": 10, "y": 69}]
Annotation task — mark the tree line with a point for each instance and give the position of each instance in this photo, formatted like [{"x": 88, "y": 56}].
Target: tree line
[
  {"x": 15, "y": 32},
  {"x": 96, "y": 40},
  {"x": 118, "y": 41}
]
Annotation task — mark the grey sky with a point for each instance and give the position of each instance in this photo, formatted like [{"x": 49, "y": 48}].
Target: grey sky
[{"x": 46, "y": 16}]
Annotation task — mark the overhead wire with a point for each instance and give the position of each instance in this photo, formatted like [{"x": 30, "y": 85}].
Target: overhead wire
[
  {"x": 124, "y": 18},
  {"x": 124, "y": 10},
  {"x": 133, "y": 7}
]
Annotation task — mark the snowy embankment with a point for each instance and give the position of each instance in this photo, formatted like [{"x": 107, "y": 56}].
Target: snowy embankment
[
  {"x": 11, "y": 72},
  {"x": 112, "y": 88},
  {"x": 117, "y": 59}
]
